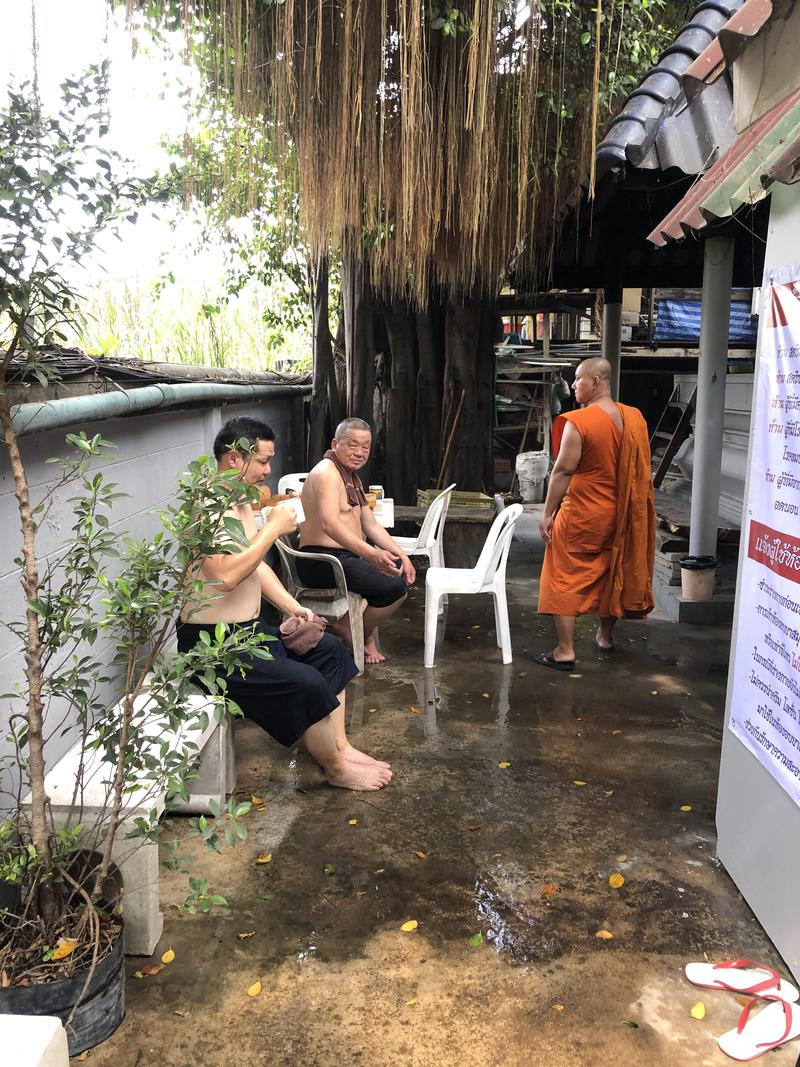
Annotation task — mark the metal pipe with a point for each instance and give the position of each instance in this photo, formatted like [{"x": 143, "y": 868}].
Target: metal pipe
[
  {"x": 712, "y": 369},
  {"x": 611, "y": 347},
  {"x": 75, "y": 410}
]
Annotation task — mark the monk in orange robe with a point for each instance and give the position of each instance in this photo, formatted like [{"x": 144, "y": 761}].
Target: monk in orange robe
[{"x": 599, "y": 517}]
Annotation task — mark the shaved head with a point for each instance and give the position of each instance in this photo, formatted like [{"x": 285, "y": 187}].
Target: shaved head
[{"x": 597, "y": 367}]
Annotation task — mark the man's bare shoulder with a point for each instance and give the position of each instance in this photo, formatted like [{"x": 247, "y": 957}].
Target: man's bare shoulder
[{"x": 322, "y": 474}]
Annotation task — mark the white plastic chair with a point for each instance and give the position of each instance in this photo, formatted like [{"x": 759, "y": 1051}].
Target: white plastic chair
[
  {"x": 291, "y": 483},
  {"x": 331, "y": 603},
  {"x": 487, "y": 576},
  {"x": 429, "y": 540}
]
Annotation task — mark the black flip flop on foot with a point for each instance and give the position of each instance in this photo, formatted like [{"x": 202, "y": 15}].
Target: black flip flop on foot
[
  {"x": 546, "y": 660},
  {"x": 601, "y": 648}
]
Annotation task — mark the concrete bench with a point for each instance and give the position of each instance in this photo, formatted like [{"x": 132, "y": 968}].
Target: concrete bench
[
  {"x": 33, "y": 1041},
  {"x": 138, "y": 860}
]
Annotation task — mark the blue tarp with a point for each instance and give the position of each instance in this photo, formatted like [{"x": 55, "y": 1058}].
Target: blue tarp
[{"x": 679, "y": 320}]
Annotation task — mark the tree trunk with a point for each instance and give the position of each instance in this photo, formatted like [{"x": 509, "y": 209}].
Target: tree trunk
[
  {"x": 401, "y": 443},
  {"x": 323, "y": 363},
  {"x": 430, "y": 377},
  {"x": 359, "y": 329}
]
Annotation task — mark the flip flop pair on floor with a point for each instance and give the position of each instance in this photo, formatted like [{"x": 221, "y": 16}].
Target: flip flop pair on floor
[
  {"x": 775, "y": 1024},
  {"x": 545, "y": 659}
]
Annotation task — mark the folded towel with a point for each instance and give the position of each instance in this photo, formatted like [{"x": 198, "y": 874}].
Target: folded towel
[{"x": 300, "y": 634}]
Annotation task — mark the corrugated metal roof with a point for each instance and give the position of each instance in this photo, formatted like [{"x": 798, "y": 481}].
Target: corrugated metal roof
[
  {"x": 730, "y": 42},
  {"x": 633, "y": 135},
  {"x": 740, "y": 176}
]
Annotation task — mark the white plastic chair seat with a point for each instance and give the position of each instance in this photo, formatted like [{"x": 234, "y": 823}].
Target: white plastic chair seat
[
  {"x": 333, "y": 603},
  {"x": 487, "y": 576},
  {"x": 291, "y": 483}
]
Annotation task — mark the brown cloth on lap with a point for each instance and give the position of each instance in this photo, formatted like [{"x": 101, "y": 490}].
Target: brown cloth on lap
[
  {"x": 300, "y": 634},
  {"x": 356, "y": 497}
]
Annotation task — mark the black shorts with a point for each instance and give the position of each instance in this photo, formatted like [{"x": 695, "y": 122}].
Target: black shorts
[
  {"x": 287, "y": 694},
  {"x": 379, "y": 590}
]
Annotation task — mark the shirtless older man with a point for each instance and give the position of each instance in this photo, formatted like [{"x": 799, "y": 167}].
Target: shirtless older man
[
  {"x": 293, "y": 697},
  {"x": 339, "y": 521}
]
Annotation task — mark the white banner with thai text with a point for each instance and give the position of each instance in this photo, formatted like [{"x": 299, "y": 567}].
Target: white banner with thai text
[{"x": 765, "y": 697}]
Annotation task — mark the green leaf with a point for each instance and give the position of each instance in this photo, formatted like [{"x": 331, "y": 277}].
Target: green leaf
[
  {"x": 476, "y": 940},
  {"x": 329, "y": 869}
]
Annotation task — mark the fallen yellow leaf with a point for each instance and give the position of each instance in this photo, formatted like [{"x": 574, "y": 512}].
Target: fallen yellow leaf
[
  {"x": 616, "y": 880},
  {"x": 421, "y": 855},
  {"x": 698, "y": 1010},
  {"x": 558, "y": 1007},
  {"x": 686, "y": 807},
  {"x": 622, "y": 857},
  {"x": 243, "y": 936},
  {"x": 504, "y": 764},
  {"x": 415, "y": 710},
  {"x": 410, "y": 1003},
  {"x": 254, "y": 989},
  {"x": 264, "y": 857},
  {"x": 653, "y": 692},
  {"x": 549, "y": 889},
  {"x": 361, "y": 892},
  {"x": 577, "y": 781},
  {"x": 616, "y": 731},
  {"x": 487, "y": 695},
  {"x": 352, "y": 822},
  {"x": 168, "y": 956},
  {"x": 371, "y": 711},
  {"x": 138, "y": 974},
  {"x": 83, "y": 1056},
  {"x": 476, "y": 626},
  {"x": 254, "y": 799},
  {"x": 259, "y": 807},
  {"x": 604, "y": 935},
  {"x": 64, "y": 947},
  {"x": 182, "y": 1014},
  {"x": 576, "y": 676},
  {"x": 412, "y": 924}
]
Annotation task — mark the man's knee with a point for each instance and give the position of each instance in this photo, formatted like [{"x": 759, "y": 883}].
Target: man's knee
[{"x": 392, "y": 594}]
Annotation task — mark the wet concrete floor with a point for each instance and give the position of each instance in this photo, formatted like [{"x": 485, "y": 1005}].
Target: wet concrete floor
[{"x": 599, "y": 767}]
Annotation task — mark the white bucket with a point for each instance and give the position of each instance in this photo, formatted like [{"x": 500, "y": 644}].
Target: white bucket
[
  {"x": 697, "y": 577},
  {"x": 532, "y": 468}
]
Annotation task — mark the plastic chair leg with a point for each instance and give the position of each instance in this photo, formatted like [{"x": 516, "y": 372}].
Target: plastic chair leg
[
  {"x": 503, "y": 628},
  {"x": 431, "y": 624},
  {"x": 356, "y": 615},
  {"x": 436, "y": 559}
]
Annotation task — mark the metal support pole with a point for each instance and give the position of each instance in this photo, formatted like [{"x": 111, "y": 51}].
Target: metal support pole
[
  {"x": 611, "y": 343},
  {"x": 712, "y": 368}
]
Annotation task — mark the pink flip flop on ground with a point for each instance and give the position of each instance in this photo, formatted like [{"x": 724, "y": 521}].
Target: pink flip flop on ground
[
  {"x": 754, "y": 1035},
  {"x": 741, "y": 976}
]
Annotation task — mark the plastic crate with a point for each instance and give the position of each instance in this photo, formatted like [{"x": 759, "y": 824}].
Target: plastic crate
[{"x": 478, "y": 501}]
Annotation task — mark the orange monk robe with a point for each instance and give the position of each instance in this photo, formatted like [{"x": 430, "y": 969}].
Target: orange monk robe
[{"x": 600, "y": 558}]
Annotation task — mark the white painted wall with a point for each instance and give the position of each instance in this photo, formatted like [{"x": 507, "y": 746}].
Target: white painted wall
[
  {"x": 151, "y": 450},
  {"x": 758, "y": 825}
]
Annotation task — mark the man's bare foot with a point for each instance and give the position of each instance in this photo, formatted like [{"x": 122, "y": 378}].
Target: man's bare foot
[
  {"x": 359, "y": 776},
  {"x": 371, "y": 653},
  {"x": 353, "y": 755}
]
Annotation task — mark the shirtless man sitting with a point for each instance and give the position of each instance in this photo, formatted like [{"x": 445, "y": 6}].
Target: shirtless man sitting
[
  {"x": 339, "y": 522},
  {"x": 293, "y": 697}
]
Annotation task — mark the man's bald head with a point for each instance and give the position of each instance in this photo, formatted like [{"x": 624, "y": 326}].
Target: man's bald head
[
  {"x": 592, "y": 380},
  {"x": 597, "y": 367}
]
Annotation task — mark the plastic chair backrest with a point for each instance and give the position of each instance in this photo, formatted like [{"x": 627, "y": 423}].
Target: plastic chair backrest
[
  {"x": 292, "y": 482},
  {"x": 434, "y": 518},
  {"x": 498, "y": 541},
  {"x": 289, "y": 556}
]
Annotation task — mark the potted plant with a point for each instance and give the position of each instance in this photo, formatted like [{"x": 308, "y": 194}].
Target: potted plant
[{"x": 96, "y": 617}]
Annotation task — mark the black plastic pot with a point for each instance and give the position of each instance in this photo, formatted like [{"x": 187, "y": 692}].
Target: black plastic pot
[
  {"x": 699, "y": 563},
  {"x": 99, "y": 1013}
]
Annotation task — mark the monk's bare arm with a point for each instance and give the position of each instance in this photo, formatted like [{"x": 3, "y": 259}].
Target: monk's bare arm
[
  {"x": 379, "y": 536},
  {"x": 230, "y": 570},
  {"x": 273, "y": 590},
  {"x": 569, "y": 456}
]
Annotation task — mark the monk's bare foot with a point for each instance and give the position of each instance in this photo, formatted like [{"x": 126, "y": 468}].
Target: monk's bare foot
[
  {"x": 371, "y": 653},
  {"x": 353, "y": 755},
  {"x": 362, "y": 777}
]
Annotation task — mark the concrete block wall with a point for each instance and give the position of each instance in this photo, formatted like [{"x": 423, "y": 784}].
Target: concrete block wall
[{"x": 151, "y": 450}]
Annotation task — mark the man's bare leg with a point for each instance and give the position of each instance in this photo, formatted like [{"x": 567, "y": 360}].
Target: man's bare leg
[
  {"x": 320, "y": 740},
  {"x": 604, "y": 637},
  {"x": 342, "y": 743},
  {"x": 372, "y": 619},
  {"x": 565, "y": 632}
]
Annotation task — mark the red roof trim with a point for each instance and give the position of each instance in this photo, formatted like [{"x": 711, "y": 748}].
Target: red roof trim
[{"x": 730, "y": 42}]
